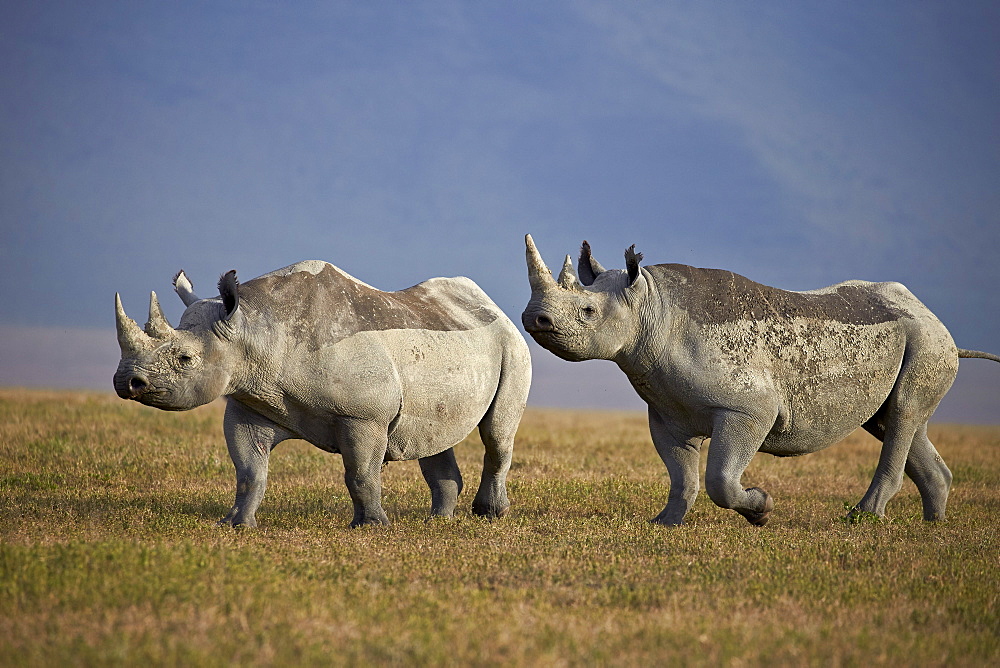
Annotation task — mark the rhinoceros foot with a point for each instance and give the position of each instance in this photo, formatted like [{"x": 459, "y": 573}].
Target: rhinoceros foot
[
  {"x": 490, "y": 512},
  {"x": 663, "y": 521},
  {"x": 237, "y": 520},
  {"x": 370, "y": 521},
  {"x": 759, "y": 519},
  {"x": 858, "y": 516},
  {"x": 228, "y": 522}
]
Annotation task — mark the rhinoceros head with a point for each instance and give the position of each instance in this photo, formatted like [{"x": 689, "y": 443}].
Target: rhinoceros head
[
  {"x": 587, "y": 317},
  {"x": 179, "y": 369}
]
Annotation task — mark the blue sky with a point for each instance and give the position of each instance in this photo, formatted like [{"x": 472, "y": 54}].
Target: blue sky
[{"x": 797, "y": 143}]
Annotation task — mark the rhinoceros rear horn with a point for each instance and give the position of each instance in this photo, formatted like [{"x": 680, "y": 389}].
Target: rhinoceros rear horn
[
  {"x": 157, "y": 326},
  {"x": 131, "y": 338},
  {"x": 229, "y": 290},
  {"x": 567, "y": 277},
  {"x": 539, "y": 275}
]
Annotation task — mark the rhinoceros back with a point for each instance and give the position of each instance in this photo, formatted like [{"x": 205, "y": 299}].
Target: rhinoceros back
[{"x": 320, "y": 304}]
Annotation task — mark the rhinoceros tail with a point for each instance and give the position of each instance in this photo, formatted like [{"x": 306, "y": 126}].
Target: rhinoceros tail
[{"x": 978, "y": 354}]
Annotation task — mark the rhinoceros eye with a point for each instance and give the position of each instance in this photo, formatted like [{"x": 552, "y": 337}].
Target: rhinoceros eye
[
  {"x": 589, "y": 312},
  {"x": 185, "y": 360}
]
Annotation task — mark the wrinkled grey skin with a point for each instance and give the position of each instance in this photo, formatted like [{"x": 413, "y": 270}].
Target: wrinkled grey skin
[
  {"x": 310, "y": 352},
  {"x": 754, "y": 368}
]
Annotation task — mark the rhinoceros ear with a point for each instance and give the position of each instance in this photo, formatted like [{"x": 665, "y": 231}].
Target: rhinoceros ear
[
  {"x": 589, "y": 268},
  {"x": 229, "y": 290},
  {"x": 632, "y": 260},
  {"x": 184, "y": 288}
]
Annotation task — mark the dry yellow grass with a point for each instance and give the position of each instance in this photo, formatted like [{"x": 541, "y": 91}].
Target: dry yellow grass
[{"x": 109, "y": 554}]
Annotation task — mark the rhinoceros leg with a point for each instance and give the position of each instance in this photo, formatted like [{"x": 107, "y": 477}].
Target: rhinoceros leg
[
  {"x": 931, "y": 475},
  {"x": 250, "y": 439},
  {"x": 681, "y": 458},
  {"x": 445, "y": 480},
  {"x": 888, "y": 476},
  {"x": 736, "y": 437},
  {"x": 491, "y": 497},
  {"x": 497, "y": 429},
  {"x": 923, "y": 380},
  {"x": 926, "y": 469},
  {"x": 363, "y": 444},
  {"x": 498, "y": 437}
]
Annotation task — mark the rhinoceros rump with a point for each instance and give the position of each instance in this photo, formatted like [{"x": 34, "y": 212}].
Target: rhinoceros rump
[
  {"x": 310, "y": 352},
  {"x": 755, "y": 368}
]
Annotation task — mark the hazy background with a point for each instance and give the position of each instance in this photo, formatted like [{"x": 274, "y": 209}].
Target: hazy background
[{"x": 797, "y": 143}]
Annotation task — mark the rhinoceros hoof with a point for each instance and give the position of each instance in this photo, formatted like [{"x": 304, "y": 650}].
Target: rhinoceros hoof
[
  {"x": 759, "y": 519},
  {"x": 489, "y": 512},
  {"x": 228, "y": 523},
  {"x": 370, "y": 522},
  {"x": 441, "y": 516},
  {"x": 665, "y": 522}
]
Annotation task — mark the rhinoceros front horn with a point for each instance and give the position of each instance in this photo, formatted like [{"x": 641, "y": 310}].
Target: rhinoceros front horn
[
  {"x": 130, "y": 337},
  {"x": 539, "y": 275},
  {"x": 157, "y": 325}
]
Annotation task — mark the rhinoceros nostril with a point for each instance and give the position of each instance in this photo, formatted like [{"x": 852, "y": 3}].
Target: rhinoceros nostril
[
  {"x": 137, "y": 385},
  {"x": 544, "y": 323}
]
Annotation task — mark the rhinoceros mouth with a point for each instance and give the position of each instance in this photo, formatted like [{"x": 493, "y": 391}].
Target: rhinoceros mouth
[
  {"x": 559, "y": 344},
  {"x": 543, "y": 335},
  {"x": 549, "y": 339},
  {"x": 158, "y": 398}
]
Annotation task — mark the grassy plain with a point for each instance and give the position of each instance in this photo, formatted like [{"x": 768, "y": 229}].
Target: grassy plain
[{"x": 109, "y": 554}]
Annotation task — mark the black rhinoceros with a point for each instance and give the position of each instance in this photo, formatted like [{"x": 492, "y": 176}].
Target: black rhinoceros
[
  {"x": 755, "y": 368},
  {"x": 310, "y": 352}
]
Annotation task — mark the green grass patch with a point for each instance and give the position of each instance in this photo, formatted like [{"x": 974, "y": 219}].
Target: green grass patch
[{"x": 109, "y": 554}]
